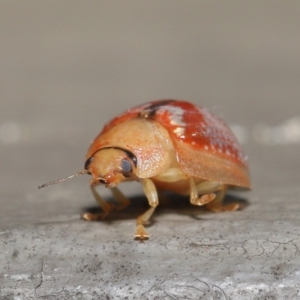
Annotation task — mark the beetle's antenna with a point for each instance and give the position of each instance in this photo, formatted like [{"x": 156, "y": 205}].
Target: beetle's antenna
[{"x": 63, "y": 179}]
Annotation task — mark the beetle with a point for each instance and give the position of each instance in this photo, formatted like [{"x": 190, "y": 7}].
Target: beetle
[{"x": 166, "y": 145}]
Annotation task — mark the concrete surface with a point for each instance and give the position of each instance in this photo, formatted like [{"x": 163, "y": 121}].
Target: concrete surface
[{"x": 66, "y": 67}]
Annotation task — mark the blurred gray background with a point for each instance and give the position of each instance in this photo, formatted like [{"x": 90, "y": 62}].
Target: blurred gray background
[{"x": 67, "y": 67}]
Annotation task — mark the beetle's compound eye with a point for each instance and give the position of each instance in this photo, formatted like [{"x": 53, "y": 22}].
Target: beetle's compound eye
[
  {"x": 126, "y": 167},
  {"x": 88, "y": 162}
]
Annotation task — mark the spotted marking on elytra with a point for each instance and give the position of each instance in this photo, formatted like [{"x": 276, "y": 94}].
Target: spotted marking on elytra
[{"x": 221, "y": 138}]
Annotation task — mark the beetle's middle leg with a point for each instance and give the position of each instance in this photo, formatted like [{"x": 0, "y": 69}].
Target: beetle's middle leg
[
  {"x": 213, "y": 194},
  {"x": 206, "y": 189},
  {"x": 151, "y": 194},
  {"x": 217, "y": 204}
]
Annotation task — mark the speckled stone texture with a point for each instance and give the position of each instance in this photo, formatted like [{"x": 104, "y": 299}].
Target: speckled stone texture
[{"x": 67, "y": 67}]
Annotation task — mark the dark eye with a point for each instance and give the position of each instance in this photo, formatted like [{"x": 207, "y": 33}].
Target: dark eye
[
  {"x": 88, "y": 162},
  {"x": 126, "y": 167}
]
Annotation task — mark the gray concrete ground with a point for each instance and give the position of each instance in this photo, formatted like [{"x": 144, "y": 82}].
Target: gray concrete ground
[{"x": 67, "y": 67}]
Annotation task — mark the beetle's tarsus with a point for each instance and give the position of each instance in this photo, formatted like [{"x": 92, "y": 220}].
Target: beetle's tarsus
[
  {"x": 141, "y": 233},
  {"x": 93, "y": 216},
  {"x": 141, "y": 221},
  {"x": 221, "y": 208}
]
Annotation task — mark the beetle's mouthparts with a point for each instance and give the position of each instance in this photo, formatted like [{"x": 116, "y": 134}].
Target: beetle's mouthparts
[
  {"x": 63, "y": 179},
  {"x": 97, "y": 181}
]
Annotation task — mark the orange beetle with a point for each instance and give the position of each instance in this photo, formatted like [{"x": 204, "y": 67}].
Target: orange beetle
[{"x": 167, "y": 145}]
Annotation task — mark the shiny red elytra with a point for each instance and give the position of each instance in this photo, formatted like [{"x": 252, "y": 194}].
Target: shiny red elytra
[{"x": 167, "y": 145}]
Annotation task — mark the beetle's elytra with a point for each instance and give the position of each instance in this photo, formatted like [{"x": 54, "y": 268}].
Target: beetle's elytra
[{"x": 167, "y": 145}]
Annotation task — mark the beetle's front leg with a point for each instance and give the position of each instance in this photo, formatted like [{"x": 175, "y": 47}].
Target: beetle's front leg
[
  {"x": 105, "y": 206},
  {"x": 151, "y": 194}
]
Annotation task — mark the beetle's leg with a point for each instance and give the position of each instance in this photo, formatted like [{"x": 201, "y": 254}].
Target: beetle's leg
[
  {"x": 105, "y": 206},
  {"x": 120, "y": 198},
  {"x": 217, "y": 204},
  {"x": 151, "y": 194},
  {"x": 206, "y": 188},
  {"x": 212, "y": 195}
]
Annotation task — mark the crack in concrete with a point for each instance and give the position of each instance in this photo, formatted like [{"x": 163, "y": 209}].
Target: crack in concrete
[
  {"x": 41, "y": 277},
  {"x": 174, "y": 287}
]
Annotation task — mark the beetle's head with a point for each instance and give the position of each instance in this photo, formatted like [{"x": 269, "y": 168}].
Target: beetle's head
[{"x": 111, "y": 166}]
